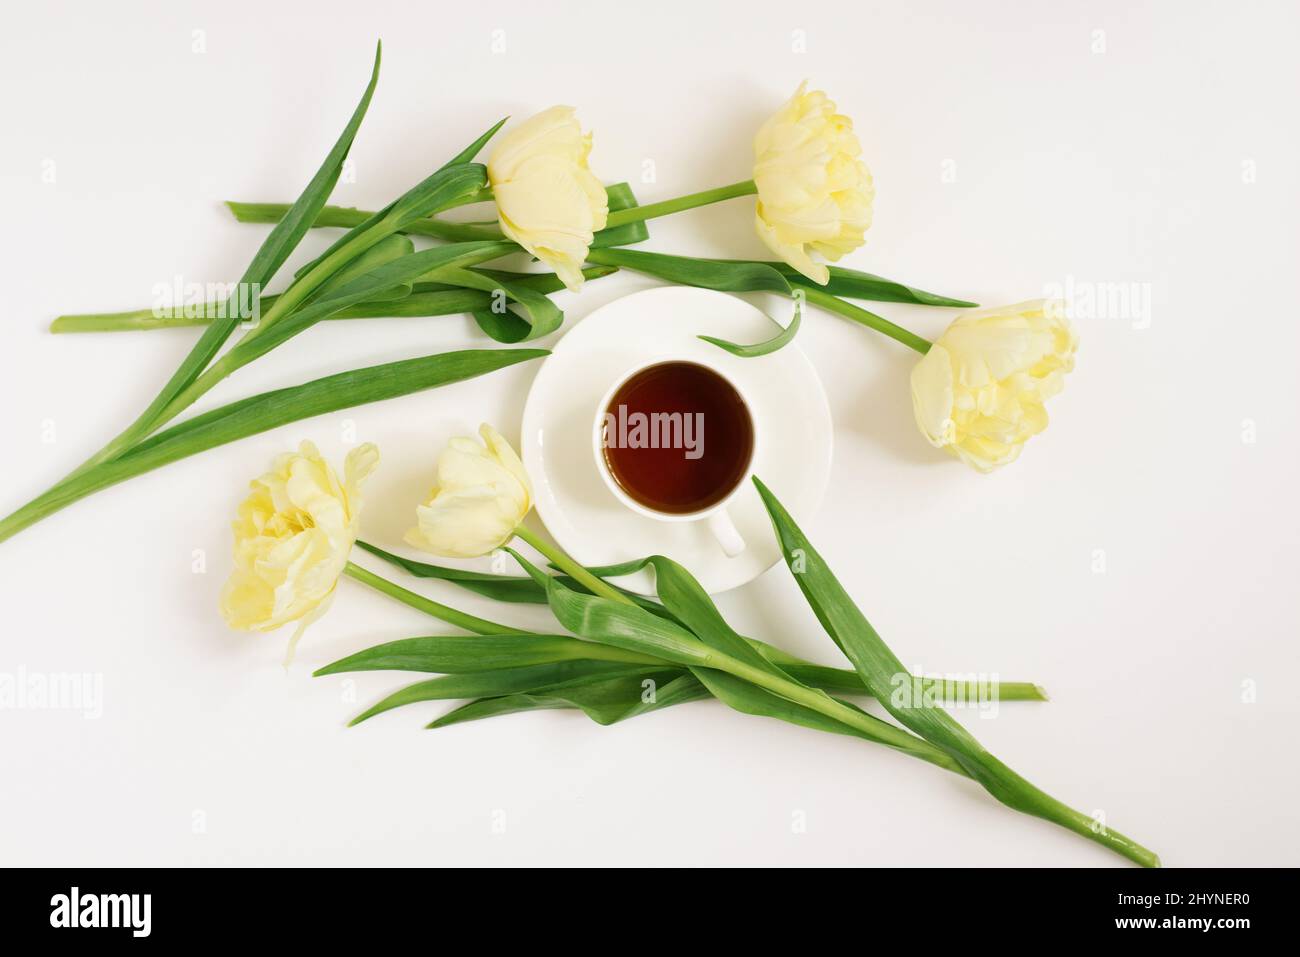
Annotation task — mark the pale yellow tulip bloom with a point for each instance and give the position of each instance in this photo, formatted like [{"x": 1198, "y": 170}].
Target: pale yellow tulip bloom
[
  {"x": 481, "y": 496},
  {"x": 980, "y": 390},
  {"x": 293, "y": 535},
  {"x": 814, "y": 193},
  {"x": 547, "y": 198}
]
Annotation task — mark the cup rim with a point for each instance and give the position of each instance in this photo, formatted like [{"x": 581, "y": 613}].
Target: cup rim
[{"x": 602, "y": 464}]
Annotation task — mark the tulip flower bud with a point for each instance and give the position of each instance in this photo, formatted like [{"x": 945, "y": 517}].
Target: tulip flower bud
[
  {"x": 481, "y": 496},
  {"x": 548, "y": 200}
]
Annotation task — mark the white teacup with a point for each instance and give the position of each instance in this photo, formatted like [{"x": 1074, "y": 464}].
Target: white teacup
[{"x": 715, "y": 515}]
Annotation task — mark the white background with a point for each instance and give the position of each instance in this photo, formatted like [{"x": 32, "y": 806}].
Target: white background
[{"x": 1152, "y": 143}]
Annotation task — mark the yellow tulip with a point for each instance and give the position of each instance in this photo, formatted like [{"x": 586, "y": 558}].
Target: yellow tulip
[
  {"x": 293, "y": 535},
  {"x": 814, "y": 193},
  {"x": 547, "y": 198},
  {"x": 481, "y": 496},
  {"x": 979, "y": 391}
]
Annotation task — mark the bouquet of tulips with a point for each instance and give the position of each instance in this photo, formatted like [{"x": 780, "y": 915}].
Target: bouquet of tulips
[
  {"x": 623, "y": 655},
  {"x": 977, "y": 392}
]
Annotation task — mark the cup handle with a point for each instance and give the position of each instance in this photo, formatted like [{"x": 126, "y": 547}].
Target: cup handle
[{"x": 724, "y": 530}]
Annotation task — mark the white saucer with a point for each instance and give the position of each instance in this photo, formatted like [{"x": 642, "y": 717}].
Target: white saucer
[{"x": 792, "y": 423}]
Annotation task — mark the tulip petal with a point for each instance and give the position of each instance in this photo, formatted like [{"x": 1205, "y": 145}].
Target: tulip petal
[
  {"x": 793, "y": 254},
  {"x": 932, "y": 396},
  {"x": 505, "y": 454},
  {"x": 465, "y": 523}
]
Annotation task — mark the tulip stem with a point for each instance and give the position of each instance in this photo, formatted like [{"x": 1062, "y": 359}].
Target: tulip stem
[
  {"x": 567, "y": 565},
  {"x": 834, "y": 304},
  {"x": 637, "y": 214},
  {"x": 480, "y": 626},
  {"x": 347, "y": 217}
]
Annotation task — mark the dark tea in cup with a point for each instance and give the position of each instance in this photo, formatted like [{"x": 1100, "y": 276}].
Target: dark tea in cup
[{"x": 677, "y": 437}]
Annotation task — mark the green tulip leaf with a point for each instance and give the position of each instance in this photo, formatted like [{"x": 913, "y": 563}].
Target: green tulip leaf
[
  {"x": 622, "y": 625},
  {"x": 852, "y": 284},
  {"x": 605, "y": 701},
  {"x": 533, "y": 678},
  {"x": 620, "y": 196},
  {"x": 768, "y": 346},
  {"x": 470, "y": 153},
  {"x": 705, "y": 273},
  {"x": 275, "y": 249},
  {"x": 508, "y": 588},
  {"x": 880, "y": 670},
  {"x": 382, "y": 277},
  {"x": 465, "y": 654},
  {"x": 269, "y": 410},
  {"x": 538, "y": 315},
  {"x": 387, "y": 250}
]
